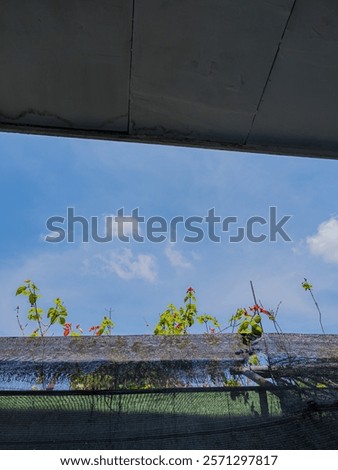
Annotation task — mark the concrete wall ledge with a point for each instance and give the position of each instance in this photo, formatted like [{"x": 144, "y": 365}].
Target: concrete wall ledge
[
  {"x": 161, "y": 348},
  {"x": 161, "y": 361}
]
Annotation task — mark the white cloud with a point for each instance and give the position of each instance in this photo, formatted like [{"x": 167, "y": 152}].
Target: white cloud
[
  {"x": 127, "y": 228},
  {"x": 176, "y": 258},
  {"x": 325, "y": 242},
  {"x": 127, "y": 266},
  {"x": 107, "y": 226},
  {"x": 79, "y": 276}
]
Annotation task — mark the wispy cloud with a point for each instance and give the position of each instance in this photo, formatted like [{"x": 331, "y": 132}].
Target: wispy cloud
[
  {"x": 325, "y": 242},
  {"x": 176, "y": 258},
  {"x": 99, "y": 228},
  {"x": 82, "y": 278},
  {"x": 127, "y": 229},
  {"x": 128, "y": 266}
]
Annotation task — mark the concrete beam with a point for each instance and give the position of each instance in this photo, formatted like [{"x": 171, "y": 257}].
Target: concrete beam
[{"x": 229, "y": 74}]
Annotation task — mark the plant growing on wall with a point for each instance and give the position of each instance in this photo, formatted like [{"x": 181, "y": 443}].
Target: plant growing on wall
[
  {"x": 308, "y": 287},
  {"x": 250, "y": 326},
  {"x": 178, "y": 321},
  {"x": 56, "y": 315}
]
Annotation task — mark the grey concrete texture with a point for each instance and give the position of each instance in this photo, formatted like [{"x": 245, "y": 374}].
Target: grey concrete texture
[
  {"x": 65, "y": 64},
  {"x": 256, "y": 76},
  {"x": 151, "y": 348},
  {"x": 127, "y": 361},
  {"x": 161, "y": 361}
]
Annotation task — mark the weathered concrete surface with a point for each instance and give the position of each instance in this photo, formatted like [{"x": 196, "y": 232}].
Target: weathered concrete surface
[
  {"x": 65, "y": 64},
  {"x": 128, "y": 361},
  {"x": 152, "y": 348},
  {"x": 160, "y": 361},
  {"x": 120, "y": 349},
  {"x": 258, "y": 76}
]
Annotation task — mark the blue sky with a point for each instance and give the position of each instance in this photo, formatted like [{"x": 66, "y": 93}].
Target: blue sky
[{"x": 42, "y": 176}]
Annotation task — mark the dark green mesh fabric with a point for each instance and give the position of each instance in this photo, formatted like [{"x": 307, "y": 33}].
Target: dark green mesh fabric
[{"x": 233, "y": 418}]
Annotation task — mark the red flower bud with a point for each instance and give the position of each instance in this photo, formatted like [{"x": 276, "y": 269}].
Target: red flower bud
[
  {"x": 265, "y": 311},
  {"x": 67, "y": 328}
]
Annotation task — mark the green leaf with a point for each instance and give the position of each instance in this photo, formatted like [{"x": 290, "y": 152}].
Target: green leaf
[
  {"x": 253, "y": 360},
  {"x": 51, "y": 312},
  {"x": 32, "y": 298},
  {"x": 245, "y": 331},
  {"x": 320, "y": 385},
  {"x": 35, "y": 333},
  {"x": 21, "y": 290},
  {"x": 243, "y": 326},
  {"x": 306, "y": 285},
  {"x": 257, "y": 330}
]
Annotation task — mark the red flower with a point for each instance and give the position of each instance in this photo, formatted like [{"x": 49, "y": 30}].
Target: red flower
[
  {"x": 67, "y": 328},
  {"x": 94, "y": 328},
  {"x": 265, "y": 311},
  {"x": 212, "y": 331},
  {"x": 255, "y": 308},
  {"x": 190, "y": 290}
]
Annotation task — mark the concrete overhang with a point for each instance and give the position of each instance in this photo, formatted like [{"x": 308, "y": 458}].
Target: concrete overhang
[{"x": 255, "y": 76}]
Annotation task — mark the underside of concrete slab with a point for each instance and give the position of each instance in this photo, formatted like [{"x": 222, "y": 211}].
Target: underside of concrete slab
[{"x": 256, "y": 76}]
